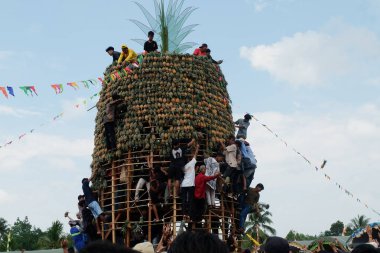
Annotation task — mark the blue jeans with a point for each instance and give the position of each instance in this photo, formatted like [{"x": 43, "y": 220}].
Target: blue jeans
[{"x": 245, "y": 210}]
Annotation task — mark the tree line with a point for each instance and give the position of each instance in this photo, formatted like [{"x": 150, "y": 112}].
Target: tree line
[{"x": 23, "y": 235}]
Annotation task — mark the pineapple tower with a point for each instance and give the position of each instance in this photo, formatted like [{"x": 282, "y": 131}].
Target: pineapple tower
[{"x": 170, "y": 96}]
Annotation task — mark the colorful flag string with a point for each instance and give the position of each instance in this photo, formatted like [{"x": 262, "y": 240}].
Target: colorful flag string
[
  {"x": 58, "y": 88},
  {"x": 347, "y": 192},
  {"x": 83, "y": 103}
]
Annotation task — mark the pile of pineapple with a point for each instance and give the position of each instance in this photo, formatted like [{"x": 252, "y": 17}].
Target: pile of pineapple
[{"x": 170, "y": 96}]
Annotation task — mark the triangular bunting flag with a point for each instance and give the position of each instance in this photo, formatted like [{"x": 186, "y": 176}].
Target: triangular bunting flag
[
  {"x": 4, "y": 91},
  {"x": 10, "y": 90}
]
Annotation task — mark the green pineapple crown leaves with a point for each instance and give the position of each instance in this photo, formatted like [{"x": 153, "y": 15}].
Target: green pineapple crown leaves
[{"x": 168, "y": 25}]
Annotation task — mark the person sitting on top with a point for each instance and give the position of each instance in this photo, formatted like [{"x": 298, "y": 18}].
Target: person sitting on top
[
  {"x": 208, "y": 55},
  {"x": 150, "y": 45},
  {"x": 201, "y": 51},
  {"x": 127, "y": 57},
  {"x": 115, "y": 54},
  {"x": 243, "y": 125}
]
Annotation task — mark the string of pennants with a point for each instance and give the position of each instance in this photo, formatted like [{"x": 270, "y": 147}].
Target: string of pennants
[
  {"x": 347, "y": 192},
  {"x": 8, "y": 91},
  {"x": 83, "y": 103}
]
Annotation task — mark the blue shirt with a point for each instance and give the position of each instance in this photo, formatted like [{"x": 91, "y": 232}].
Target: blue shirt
[{"x": 77, "y": 238}]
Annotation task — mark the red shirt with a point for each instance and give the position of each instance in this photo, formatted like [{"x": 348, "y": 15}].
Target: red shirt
[
  {"x": 198, "y": 52},
  {"x": 200, "y": 185}
]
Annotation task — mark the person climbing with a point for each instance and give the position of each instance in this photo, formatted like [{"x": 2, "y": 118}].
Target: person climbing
[
  {"x": 187, "y": 185},
  {"x": 233, "y": 158},
  {"x": 178, "y": 161},
  {"x": 154, "y": 192},
  {"x": 208, "y": 55},
  {"x": 77, "y": 236},
  {"x": 242, "y": 125},
  {"x": 128, "y": 58},
  {"x": 109, "y": 122},
  {"x": 92, "y": 203},
  {"x": 115, "y": 54},
  {"x": 143, "y": 174},
  {"x": 212, "y": 167},
  {"x": 199, "y": 200},
  {"x": 201, "y": 51},
  {"x": 150, "y": 45},
  {"x": 250, "y": 204}
]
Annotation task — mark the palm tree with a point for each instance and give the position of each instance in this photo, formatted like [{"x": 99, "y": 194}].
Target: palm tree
[
  {"x": 53, "y": 236},
  {"x": 359, "y": 222},
  {"x": 259, "y": 225},
  {"x": 168, "y": 24}
]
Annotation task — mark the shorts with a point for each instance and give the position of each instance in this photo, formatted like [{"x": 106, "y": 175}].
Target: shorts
[
  {"x": 95, "y": 209},
  {"x": 175, "y": 173}
]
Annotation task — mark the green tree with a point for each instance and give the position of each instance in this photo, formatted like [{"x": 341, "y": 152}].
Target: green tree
[
  {"x": 24, "y": 235},
  {"x": 336, "y": 228},
  {"x": 4, "y": 228},
  {"x": 51, "y": 239},
  {"x": 359, "y": 222},
  {"x": 295, "y": 236},
  {"x": 259, "y": 225}
]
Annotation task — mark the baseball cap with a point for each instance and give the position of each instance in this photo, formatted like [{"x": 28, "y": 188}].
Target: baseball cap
[
  {"x": 203, "y": 45},
  {"x": 123, "y": 46},
  {"x": 144, "y": 247}
]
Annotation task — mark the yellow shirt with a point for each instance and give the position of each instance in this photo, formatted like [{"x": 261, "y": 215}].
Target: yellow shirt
[{"x": 131, "y": 57}]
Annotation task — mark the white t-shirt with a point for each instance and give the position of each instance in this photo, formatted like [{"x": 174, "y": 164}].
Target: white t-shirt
[{"x": 189, "y": 170}]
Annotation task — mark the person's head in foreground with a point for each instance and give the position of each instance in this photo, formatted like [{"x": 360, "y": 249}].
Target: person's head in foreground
[
  {"x": 199, "y": 242},
  {"x": 365, "y": 248},
  {"x": 276, "y": 244},
  {"x": 106, "y": 247}
]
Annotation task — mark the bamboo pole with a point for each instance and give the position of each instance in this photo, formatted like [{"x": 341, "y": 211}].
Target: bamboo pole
[
  {"x": 129, "y": 186},
  {"x": 113, "y": 198}
]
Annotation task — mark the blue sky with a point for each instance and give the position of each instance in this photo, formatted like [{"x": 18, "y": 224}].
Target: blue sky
[{"x": 308, "y": 69}]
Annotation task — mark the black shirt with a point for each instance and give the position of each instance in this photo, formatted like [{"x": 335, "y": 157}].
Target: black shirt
[
  {"x": 115, "y": 55},
  {"x": 150, "y": 46},
  {"x": 88, "y": 197}
]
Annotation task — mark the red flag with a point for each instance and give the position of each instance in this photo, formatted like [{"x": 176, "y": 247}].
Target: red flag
[{"x": 4, "y": 91}]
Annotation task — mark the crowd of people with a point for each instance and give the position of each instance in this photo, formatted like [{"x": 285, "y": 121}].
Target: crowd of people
[
  {"x": 203, "y": 242},
  {"x": 129, "y": 59}
]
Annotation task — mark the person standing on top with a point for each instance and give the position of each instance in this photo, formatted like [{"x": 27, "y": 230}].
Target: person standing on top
[
  {"x": 115, "y": 54},
  {"x": 150, "y": 45},
  {"x": 242, "y": 125},
  {"x": 127, "y": 58},
  {"x": 201, "y": 51}
]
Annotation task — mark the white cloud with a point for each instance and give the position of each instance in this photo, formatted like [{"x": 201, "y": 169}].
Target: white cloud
[
  {"x": 4, "y": 197},
  {"x": 54, "y": 150},
  {"x": 316, "y": 57},
  {"x": 294, "y": 189},
  {"x": 15, "y": 112}
]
